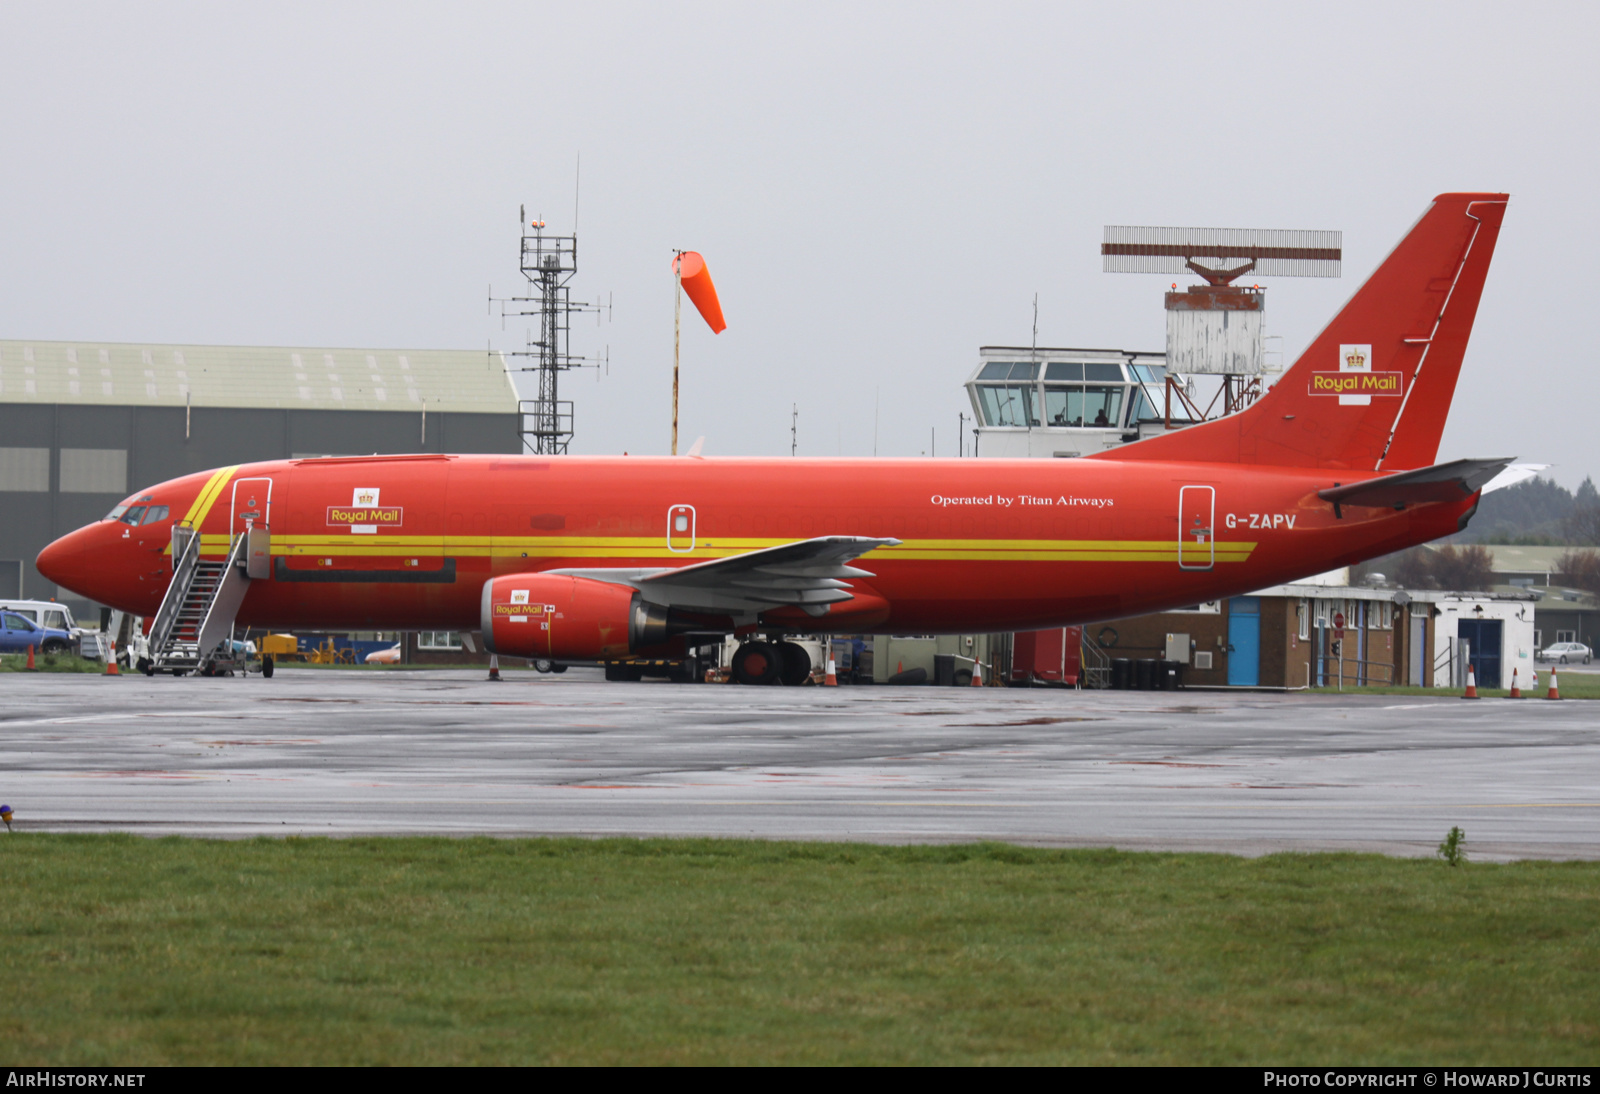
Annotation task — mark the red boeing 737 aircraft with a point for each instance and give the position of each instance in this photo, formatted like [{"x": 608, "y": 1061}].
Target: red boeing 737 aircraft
[{"x": 586, "y": 558}]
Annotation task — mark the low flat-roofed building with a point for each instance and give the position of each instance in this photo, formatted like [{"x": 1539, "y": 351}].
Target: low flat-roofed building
[
  {"x": 85, "y": 424},
  {"x": 1283, "y": 637}
]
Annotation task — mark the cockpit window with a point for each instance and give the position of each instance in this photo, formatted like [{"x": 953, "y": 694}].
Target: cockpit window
[
  {"x": 132, "y": 515},
  {"x": 155, "y": 513},
  {"x": 118, "y": 511}
]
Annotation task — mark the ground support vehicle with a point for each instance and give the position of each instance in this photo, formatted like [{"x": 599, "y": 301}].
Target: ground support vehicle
[
  {"x": 18, "y": 634},
  {"x": 47, "y": 614}
]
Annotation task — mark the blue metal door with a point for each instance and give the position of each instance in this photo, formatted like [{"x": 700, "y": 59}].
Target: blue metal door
[
  {"x": 1484, "y": 653},
  {"x": 1244, "y": 641}
]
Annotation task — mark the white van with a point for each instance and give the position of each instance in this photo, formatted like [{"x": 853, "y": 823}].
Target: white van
[{"x": 45, "y": 613}]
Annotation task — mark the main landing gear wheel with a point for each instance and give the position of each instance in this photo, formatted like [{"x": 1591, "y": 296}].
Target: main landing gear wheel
[
  {"x": 266, "y": 666},
  {"x": 145, "y": 666},
  {"x": 796, "y": 664},
  {"x": 757, "y": 663}
]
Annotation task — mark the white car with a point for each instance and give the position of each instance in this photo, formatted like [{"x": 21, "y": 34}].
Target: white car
[{"x": 1566, "y": 652}]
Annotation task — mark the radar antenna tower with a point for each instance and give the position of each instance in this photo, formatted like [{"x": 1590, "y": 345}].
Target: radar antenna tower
[
  {"x": 548, "y": 263},
  {"x": 1216, "y": 329}
]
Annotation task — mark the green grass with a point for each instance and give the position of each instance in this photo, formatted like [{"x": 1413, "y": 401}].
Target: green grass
[
  {"x": 50, "y": 662},
  {"x": 121, "y": 950}
]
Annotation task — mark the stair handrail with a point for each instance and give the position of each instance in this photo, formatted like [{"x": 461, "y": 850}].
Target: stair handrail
[
  {"x": 1096, "y": 664},
  {"x": 185, "y": 558},
  {"x": 233, "y": 569}
]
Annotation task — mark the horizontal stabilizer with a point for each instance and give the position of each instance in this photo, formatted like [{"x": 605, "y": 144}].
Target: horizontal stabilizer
[
  {"x": 1441, "y": 483},
  {"x": 1517, "y": 472}
]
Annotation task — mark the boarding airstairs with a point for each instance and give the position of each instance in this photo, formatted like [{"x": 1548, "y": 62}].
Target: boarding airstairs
[{"x": 193, "y": 630}]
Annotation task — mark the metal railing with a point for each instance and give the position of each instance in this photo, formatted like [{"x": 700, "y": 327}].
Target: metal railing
[{"x": 1337, "y": 671}]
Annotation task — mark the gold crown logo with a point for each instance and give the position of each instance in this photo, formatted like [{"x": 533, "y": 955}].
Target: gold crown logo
[
  {"x": 1356, "y": 359},
  {"x": 366, "y": 499}
]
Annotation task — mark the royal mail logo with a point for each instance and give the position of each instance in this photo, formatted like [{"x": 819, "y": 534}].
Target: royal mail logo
[
  {"x": 364, "y": 496},
  {"x": 523, "y": 609},
  {"x": 1357, "y": 383},
  {"x": 340, "y": 516}
]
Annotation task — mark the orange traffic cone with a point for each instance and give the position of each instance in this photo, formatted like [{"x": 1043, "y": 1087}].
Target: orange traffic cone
[
  {"x": 30, "y": 659},
  {"x": 1516, "y": 692},
  {"x": 899, "y": 667},
  {"x": 831, "y": 679},
  {"x": 111, "y": 661},
  {"x": 494, "y": 666},
  {"x": 1472, "y": 684},
  {"x": 977, "y": 674},
  {"x": 1555, "y": 690}
]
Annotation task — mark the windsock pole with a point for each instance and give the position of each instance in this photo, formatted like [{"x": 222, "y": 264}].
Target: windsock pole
[{"x": 677, "y": 328}]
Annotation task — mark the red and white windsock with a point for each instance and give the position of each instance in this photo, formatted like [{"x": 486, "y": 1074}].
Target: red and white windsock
[{"x": 696, "y": 281}]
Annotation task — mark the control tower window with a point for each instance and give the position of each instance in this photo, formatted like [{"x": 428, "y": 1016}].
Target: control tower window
[
  {"x": 1011, "y": 404},
  {"x": 1063, "y": 405},
  {"x": 1102, "y": 406},
  {"x": 1010, "y": 370}
]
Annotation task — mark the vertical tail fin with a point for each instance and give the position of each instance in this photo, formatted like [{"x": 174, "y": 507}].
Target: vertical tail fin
[{"x": 1373, "y": 389}]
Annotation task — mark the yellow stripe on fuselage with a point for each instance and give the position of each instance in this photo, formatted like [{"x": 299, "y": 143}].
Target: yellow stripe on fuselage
[
  {"x": 203, "y": 501},
  {"x": 590, "y": 547}
]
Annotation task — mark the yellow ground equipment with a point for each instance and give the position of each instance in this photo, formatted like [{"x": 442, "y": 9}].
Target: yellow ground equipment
[
  {"x": 326, "y": 654},
  {"x": 280, "y": 647}
]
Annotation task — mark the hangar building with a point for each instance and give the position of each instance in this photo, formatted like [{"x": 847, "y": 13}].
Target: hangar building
[{"x": 83, "y": 425}]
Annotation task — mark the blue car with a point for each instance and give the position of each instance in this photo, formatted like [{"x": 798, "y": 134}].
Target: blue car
[{"x": 18, "y": 633}]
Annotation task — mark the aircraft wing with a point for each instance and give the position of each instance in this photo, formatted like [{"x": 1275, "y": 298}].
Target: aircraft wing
[
  {"x": 809, "y": 574},
  {"x": 1442, "y": 482}
]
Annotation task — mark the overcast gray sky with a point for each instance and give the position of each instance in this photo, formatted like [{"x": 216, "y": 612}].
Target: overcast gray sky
[{"x": 878, "y": 189}]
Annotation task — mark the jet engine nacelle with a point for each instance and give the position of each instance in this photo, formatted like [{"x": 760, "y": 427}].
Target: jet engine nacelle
[{"x": 569, "y": 618}]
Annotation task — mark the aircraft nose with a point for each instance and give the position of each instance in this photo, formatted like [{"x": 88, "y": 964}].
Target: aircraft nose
[{"x": 69, "y": 560}]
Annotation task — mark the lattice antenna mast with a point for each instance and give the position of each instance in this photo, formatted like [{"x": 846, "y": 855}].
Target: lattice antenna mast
[
  {"x": 1215, "y": 329},
  {"x": 548, "y": 264}
]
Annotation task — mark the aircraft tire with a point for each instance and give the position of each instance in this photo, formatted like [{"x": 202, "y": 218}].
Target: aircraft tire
[
  {"x": 542, "y": 665},
  {"x": 558, "y": 667},
  {"x": 266, "y": 666},
  {"x": 757, "y": 663},
  {"x": 146, "y": 666},
  {"x": 796, "y": 669}
]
